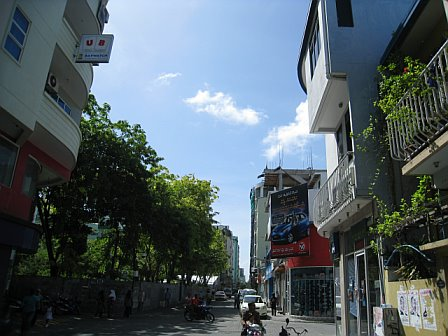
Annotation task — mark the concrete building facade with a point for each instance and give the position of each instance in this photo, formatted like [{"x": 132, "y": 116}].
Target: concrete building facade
[
  {"x": 343, "y": 44},
  {"x": 42, "y": 94}
]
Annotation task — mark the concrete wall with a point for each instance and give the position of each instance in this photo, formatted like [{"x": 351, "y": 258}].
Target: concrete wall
[
  {"x": 431, "y": 296},
  {"x": 87, "y": 290}
]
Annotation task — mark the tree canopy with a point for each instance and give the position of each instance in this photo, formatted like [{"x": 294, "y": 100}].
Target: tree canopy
[{"x": 148, "y": 219}]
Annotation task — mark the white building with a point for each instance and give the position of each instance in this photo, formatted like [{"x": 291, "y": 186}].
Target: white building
[
  {"x": 42, "y": 94},
  {"x": 342, "y": 46},
  {"x": 230, "y": 278}
]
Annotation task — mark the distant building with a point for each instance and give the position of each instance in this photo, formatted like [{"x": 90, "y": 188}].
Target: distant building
[
  {"x": 287, "y": 276},
  {"x": 230, "y": 278}
]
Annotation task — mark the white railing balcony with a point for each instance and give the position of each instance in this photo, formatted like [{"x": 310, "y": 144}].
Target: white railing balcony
[
  {"x": 338, "y": 191},
  {"x": 423, "y": 111}
]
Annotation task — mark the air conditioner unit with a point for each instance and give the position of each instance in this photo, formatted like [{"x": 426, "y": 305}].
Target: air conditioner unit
[{"x": 52, "y": 83}]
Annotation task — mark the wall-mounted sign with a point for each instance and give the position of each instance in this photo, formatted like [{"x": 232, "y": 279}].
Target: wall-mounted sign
[
  {"x": 290, "y": 225},
  {"x": 95, "y": 48}
]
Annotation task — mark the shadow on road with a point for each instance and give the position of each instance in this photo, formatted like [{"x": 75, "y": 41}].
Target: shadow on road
[{"x": 161, "y": 322}]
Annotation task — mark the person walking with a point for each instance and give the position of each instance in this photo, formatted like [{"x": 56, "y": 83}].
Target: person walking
[
  {"x": 128, "y": 304},
  {"x": 29, "y": 306},
  {"x": 100, "y": 304},
  {"x": 38, "y": 297},
  {"x": 141, "y": 300},
  {"x": 111, "y": 298},
  {"x": 273, "y": 305},
  {"x": 236, "y": 302},
  {"x": 167, "y": 297},
  {"x": 48, "y": 314}
]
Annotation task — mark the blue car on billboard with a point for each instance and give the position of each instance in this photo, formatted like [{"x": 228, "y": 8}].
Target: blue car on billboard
[{"x": 295, "y": 227}]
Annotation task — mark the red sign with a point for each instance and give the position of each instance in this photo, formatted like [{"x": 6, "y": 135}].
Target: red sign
[{"x": 299, "y": 248}]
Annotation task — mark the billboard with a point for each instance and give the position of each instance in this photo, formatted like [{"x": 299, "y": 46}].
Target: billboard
[
  {"x": 290, "y": 224},
  {"x": 95, "y": 48}
]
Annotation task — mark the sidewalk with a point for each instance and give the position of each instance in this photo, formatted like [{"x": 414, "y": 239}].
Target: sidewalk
[{"x": 87, "y": 324}]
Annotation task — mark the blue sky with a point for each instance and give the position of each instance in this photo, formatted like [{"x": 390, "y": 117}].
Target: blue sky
[{"x": 214, "y": 85}]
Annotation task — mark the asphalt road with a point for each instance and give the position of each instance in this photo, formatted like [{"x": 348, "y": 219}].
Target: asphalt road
[{"x": 170, "y": 322}]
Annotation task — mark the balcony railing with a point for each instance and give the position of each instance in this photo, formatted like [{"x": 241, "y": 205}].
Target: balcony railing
[
  {"x": 337, "y": 191},
  {"x": 425, "y": 109}
]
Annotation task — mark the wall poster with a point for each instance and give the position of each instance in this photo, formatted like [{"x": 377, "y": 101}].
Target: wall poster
[
  {"x": 414, "y": 309},
  {"x": 403, "y": 309},
  {"x": 427, "y": 308}
]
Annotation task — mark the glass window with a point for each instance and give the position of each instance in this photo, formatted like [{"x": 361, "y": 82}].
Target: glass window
[
  {"x": 348, "y": 132},
  {"x": 343, "y": 137},
  {"x": 344, "y": 13},
  {"x": 312, "y": 291},
  {"x": 15, "y": 40},
  {"x": 8, "y": 156},
  {"x": 32, "y": 171},
  {"x": 314, "y": 48}
]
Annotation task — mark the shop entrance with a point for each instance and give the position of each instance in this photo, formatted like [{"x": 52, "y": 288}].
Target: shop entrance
[{"x": 357, "y": 294}]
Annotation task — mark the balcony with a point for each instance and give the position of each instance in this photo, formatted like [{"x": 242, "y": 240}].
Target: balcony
[
  {"x": 419, "y": 137},
  {"x": 337, "y": 201}
]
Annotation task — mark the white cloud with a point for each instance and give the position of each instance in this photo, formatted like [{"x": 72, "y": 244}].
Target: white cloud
[
  {"x": 223, "y": 107},
  {"x": 164, "y": 79},
  {"x": 291, "y": 138}
]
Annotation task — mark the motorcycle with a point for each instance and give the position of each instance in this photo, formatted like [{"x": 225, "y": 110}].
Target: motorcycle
[
  {"x": 65, "y": 306},
  {"x": 253, "y": 330},
  {"x": 198, "y": 313},
  {"x": 284, "y": 332}
]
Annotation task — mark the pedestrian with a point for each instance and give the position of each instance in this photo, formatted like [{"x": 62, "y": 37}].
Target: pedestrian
[
  {"x": 141, "y": 300},
  {"x": 236, "y": 302},
  {"x": 29, "y": 306},
  {"x": 100, "y": 303},
  {"x": 38, "y": 296},
  {"x": 128, "y": 304},
  {"x": 111, "y": 298},
  {"x": 48, "y": 314},
  {"x": 273, "y": 305},
  {"x": 167, "y": 297}
]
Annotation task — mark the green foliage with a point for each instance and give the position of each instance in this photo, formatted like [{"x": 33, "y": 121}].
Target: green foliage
[
  {"x": 391, "y": 223},
  {"x": 149, "y": 219},
  {"x": 34, "y": 264},
  {"x": 396, "y": 78}
]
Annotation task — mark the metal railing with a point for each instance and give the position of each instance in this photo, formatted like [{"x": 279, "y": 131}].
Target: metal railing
[
  {"x": 337, "y": 191},
  {"x": 423, "y": 110}
]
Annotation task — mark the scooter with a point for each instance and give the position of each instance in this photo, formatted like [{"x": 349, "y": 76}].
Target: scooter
[
  {"x": 198, "y": 313},
  {"x": 284, "y": 331},
  {"x": 253, "y": 330}
]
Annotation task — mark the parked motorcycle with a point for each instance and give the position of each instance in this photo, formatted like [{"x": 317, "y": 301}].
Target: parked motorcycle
[
  {"x": 66, "y": 306},
  {"x": 198, "y": 313},
  {"x": 284, "y": 331}
]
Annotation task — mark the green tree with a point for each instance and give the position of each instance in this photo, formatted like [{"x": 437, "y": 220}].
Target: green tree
[{"x": 110, "y": 180}]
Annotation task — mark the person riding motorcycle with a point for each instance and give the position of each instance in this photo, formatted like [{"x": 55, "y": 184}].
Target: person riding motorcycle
[{"x": 250, "y": 316}]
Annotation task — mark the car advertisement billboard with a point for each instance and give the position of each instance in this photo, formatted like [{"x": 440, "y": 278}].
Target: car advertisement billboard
[{"x": 290, "y": 224}]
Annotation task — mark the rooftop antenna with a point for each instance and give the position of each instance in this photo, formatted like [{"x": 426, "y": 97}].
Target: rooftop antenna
[{"x": 311, "y": 158}]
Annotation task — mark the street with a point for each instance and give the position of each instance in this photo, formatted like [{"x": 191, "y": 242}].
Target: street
[{"x": 171, "y": 322}]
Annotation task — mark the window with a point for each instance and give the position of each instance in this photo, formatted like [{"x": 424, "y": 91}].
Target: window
[
  {"x": 62, "y": 104},
  {"x": 348, "y": 132},
  {"x": 314, "y": 48},
  {"x": 32, "y": 171},
  {"x": 15, "y": 40},
  {"x": 343, "y": 137},
  {"x": 8, "y": 157},
  {"x": 344, "y": 13}
]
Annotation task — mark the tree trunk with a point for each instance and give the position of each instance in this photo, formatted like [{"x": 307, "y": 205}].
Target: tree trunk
[{"x": 44, "y": 215}]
